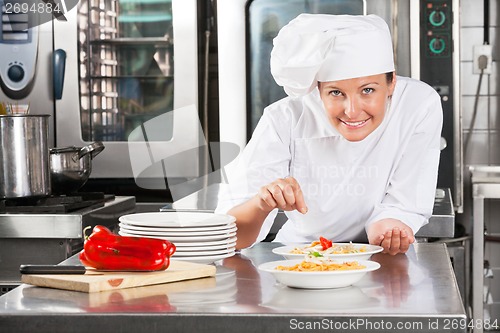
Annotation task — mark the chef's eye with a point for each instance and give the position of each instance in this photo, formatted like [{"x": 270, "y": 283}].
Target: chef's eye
[
  {"x": 368, "y": 90},
  {"x": 336, "y": 93}
]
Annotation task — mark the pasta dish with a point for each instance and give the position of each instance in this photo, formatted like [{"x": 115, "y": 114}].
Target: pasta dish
[
  {"x": 316, "y": 246},
  {"x": 310, "y": 266}
]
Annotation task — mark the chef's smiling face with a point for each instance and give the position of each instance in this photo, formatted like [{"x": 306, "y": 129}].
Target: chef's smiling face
[{"x": 356, "y": 107}]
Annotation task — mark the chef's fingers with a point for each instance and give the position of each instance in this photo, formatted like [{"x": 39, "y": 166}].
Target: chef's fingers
[
  {"x": 288, "y": 195},
  {"x": 267, "y": 197},
  {"x": 300, "y": 203},
  {"x": 409, "y": 234},
  {"x": 386, "y": 242},
  {"x": 404, "y": 242},
  {"x": 377, "y": 240},
  {"x": 278, "y": 195},
  {"x": 395, "y": 241}
]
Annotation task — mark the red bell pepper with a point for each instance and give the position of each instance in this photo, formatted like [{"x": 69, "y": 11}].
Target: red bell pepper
[
  {"x": 325, "y": 243},
  {"x": 106, "y": 250}
]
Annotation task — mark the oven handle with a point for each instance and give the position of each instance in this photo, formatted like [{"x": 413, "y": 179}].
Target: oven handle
[{"x": 59, "y": 66}]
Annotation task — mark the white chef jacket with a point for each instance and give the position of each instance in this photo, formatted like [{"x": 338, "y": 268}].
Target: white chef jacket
[{"x": 392, "y": 173}]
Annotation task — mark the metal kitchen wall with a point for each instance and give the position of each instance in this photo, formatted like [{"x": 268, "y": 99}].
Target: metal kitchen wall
[{"x": 481, "y": 121}]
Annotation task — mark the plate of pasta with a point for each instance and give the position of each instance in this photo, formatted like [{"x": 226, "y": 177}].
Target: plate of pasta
[
  {"x": 326, "y": 248},
  {"x": 321, "y": 273}
]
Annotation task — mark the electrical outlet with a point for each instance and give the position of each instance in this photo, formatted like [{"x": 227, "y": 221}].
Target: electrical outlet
[{"x": 478, "y": 51}]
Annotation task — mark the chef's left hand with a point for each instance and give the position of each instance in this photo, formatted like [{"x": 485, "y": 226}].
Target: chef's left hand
[{"x": 393, "y": 235}]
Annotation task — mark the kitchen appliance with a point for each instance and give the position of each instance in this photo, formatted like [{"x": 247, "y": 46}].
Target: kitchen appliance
[
  {"x": 70, "y": 167},
  {"x": 24, "y": 152},
  {"x": 439, "y": 67},
  {"x": 104, "y": 69},
  {"x": 425, "y": 37},
  {"x": 19, "y": 50},
  {"x": 49, "y": 230}
]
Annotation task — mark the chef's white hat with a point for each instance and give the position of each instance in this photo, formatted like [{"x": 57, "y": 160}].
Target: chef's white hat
[{"x": 320, "y": 47}]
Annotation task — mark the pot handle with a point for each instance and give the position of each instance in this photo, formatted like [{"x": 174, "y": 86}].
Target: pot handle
[{"x": 94, "y": 149}]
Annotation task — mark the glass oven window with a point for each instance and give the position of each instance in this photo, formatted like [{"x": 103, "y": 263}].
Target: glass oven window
[
  {"x": 265, "y": 19},
  {"x": 126, "y": 66}
]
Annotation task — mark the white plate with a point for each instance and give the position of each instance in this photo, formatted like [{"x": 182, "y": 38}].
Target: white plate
[
  {"x": 206, "y": 243},
  {"x": 201, "y": 253},
  {"x": 206, "y": 248},
  {"x": 176, "y": 219},
  {"x": 213, "y": 227},
  {"x": 206, "y": 259},
  {"x": 183, "y": 239},
  {"x": 317, "y": 280},
  {"x": 180, "y": 232},
  {"x": 370, "y": 249}
]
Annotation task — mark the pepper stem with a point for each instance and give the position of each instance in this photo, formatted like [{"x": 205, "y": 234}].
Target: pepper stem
[{"x": 85, "y": 237}]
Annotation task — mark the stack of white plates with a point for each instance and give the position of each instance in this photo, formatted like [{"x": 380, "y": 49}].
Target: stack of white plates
[{"x": 199, "y": 237}]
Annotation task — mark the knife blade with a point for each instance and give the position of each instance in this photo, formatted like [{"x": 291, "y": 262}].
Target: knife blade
[{"x": 72, "y": 269}]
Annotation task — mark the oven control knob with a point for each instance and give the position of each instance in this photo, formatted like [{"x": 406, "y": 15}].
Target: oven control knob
[
  {"x": 437, "y": 18},
  {"x": 15, "y": 73},
  {"x": 437, "y": 45}
]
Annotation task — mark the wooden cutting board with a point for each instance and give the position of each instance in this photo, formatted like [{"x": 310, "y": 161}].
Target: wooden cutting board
[{"x": 95, "y": 281}]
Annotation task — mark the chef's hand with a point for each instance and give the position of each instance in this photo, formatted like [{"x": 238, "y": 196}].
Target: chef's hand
[
  {"x": 393, "y": 235},
  {"x": 283, "y": 193}
]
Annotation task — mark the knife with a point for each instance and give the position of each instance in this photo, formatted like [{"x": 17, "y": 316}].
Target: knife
[
  {"x": 71, "y": 269},
  {"x": 52, "y": 269}
]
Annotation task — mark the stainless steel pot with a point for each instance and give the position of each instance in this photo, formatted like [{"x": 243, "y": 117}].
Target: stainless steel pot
[
  {"x": 70, "y": 167},
  {"x": 24, "y": 156}
]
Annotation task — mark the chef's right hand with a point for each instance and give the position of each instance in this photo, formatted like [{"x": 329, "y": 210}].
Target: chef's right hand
[{"x": 283, "y": 193}]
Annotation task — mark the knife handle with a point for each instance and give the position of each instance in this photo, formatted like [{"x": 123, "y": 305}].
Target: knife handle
[{"x": 52, "y": 269}]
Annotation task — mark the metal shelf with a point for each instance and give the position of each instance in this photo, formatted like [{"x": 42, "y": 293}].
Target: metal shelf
[
  {"x": 104, "y": 94},
  {"x": 142, "y": 77},
  {"x": 135, "y": 41}
]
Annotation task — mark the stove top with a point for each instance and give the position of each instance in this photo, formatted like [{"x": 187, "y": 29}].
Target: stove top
[{"x": 56, "y": 204}]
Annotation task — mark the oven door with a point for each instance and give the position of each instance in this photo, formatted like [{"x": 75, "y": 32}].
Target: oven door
[{"x": 131, "y": 81}]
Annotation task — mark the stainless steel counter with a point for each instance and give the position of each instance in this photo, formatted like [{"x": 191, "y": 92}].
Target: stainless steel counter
[
  {"x": 416, "y": 292},
  {"x": 441, "y": 224}
]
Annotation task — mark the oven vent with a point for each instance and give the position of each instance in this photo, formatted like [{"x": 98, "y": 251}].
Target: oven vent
[{"x": 14, "y": 25}]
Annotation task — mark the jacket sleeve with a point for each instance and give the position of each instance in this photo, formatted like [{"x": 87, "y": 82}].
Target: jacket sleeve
[
  {"x": 412, "y": 185},
  {"x": 265, "y": 159}
]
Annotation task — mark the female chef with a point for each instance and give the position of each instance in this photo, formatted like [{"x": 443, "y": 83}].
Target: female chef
[{"x": 351, "y": 154}]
